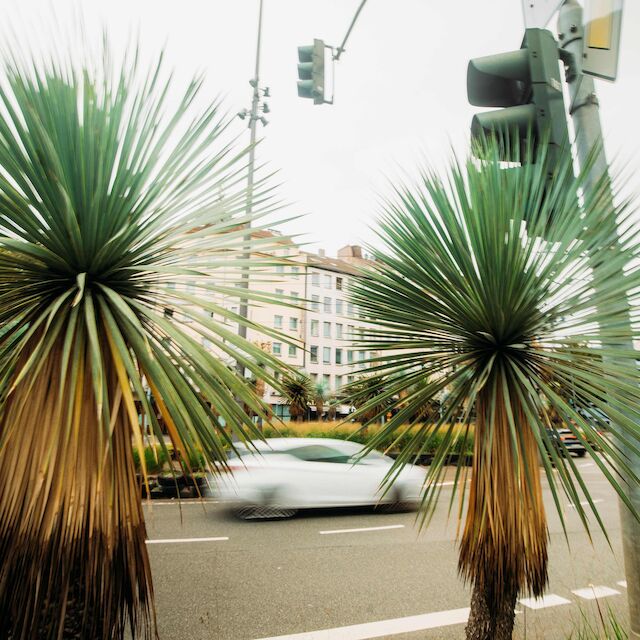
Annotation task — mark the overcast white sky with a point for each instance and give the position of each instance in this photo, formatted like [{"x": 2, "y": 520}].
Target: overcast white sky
[{"x": 400, "y": 86}]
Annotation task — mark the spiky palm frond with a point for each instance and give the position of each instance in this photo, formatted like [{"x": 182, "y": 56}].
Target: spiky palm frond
[
  {"x": 122, "y": 226},
  {"x": 485, "y": 287},
  {"x": 298, "y": 393}
]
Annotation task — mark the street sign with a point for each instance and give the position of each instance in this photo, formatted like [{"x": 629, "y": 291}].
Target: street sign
[
  {"x": 537, "y": 13},
  {"x": 601, "y": 43}
]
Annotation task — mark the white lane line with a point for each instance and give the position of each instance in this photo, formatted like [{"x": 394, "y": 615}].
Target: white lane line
[
  {"x": 622, "y": 583},
  {"x": 585, "y": 503},
  {"x": 184, "y": 503},
  {"x": 548, "y": 600},
  {"x": 391, "y": 526},
  {"x": 586, "y": 465},
  {"x": 592, "y": 592},
  {"x": 178, "y": 540},
  {"x": 383, "y": 627}
]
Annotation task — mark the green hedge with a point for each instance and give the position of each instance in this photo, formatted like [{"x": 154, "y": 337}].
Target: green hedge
[
  {"x": 155, "y": 458},
  {"x": 460, "y": 445}
]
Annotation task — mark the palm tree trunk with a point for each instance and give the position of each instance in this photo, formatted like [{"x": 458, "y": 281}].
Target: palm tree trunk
[
  {"x": 73, "y": 558},
  {"x": 503, "y": 549},
  {"x": 491, "y": 618}
]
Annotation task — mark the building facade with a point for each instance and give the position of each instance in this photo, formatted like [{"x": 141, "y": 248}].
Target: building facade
[{"x": 320, "y": 319}]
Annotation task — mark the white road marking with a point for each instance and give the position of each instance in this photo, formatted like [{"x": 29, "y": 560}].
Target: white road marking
[
  {"x": 177, "y": 540},
  {"x": 383, "y": 627},
  {"x": 586, "y": 465},
  {"x": 592, "y": 592},
  {"x": 183, "y": 503},
  {"x": 622, "y": 583},
  {"x": 548, "y": 600},
  {"x": 391, "y": 526},
  {"x": 585, "y": 503}
]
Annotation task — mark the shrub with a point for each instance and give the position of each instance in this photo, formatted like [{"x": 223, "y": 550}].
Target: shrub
[{"x": 154, "y": 458}]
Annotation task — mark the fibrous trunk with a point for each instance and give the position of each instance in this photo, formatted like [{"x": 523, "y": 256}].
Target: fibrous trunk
[
  {"x": 503, "y": 550},
  {"x": 73, "y": 560}
]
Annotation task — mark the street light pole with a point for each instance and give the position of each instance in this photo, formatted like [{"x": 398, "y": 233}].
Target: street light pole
[
  {"x": 586, "y": 120},
  {"x": 254, "y": 117}
]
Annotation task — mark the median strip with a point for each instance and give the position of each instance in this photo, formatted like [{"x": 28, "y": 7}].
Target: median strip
[
  {"x": 391, "y": 526},
  {"x": 383, "y": 627},
  {"x": 177, "y": 540}
]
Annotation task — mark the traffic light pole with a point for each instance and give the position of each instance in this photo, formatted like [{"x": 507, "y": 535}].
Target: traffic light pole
[{"x": 588, "y": 132}]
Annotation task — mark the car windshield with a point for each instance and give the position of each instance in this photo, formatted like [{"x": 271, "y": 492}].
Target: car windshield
[{"x": 319, "y": 453}]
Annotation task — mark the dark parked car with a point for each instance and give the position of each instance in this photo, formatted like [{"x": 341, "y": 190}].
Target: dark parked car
[{"x": 565, "y": 441}]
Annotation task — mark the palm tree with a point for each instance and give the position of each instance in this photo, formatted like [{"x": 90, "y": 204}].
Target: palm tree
[
  {"x": 483, "y": 286},
  {"x": 367, "y": 395},
  {"x": 320, "y": 396},
  {"x": 121, "y": 227},
  {"x": 298, "y": 394}
]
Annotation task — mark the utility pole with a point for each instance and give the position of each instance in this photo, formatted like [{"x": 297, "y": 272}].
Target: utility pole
[
  {"x": 588, "y": 131},
  {"x": 254, "y": 116}
]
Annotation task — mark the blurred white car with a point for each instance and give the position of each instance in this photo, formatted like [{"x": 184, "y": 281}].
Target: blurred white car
[{"x": 287, "y": 474}]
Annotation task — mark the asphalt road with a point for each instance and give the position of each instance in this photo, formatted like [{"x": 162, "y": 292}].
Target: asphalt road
[{"x": 308, "y": 576}]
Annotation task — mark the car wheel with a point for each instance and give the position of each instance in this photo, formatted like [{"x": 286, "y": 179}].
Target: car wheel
[
  {"x": 270, "y": 509},
  {"x": 397, "y": 504},
  {"x": 582, "y": 454}
]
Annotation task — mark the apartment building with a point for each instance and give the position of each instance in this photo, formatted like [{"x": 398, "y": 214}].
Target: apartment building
[
  {"x": 324, "y": 322},
  {"x": 318, "y": 318}
]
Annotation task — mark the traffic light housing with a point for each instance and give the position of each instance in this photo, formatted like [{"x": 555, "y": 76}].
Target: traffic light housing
[
  {"x": 311, "y": 72},
  {"x": 527, "y": 84}
]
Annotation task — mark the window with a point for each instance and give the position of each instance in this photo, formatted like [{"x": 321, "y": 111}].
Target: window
[
  {"x": 338, "y": 382},
  {"x": 338, "y": 356},
  {"x": 313, "y": 354},
  {"x": 349, "y": 308},
  {"x": 277, "y": 322},
  {"x": 351, "y": 334},
  {"x": 349, "y": 356},
  {"x": 315, "y": 279},
  {"x": 277, "y": 375},
  {"x": 326, "y": 329},
  {"x": 326, "y": 355},
  {"x": 314, "y": 378},
  {"x": 339, "y": 284},
  {"x": 362, "y": 355},
  {"x": 293, "y": 324},
  {"x": 320, "y": 453},
  {"x": 277, "y": 348},
  {"x": 294, "y": 294},
  {"x": 295, "y": 272},
  {"x": 279, "y": 268},
  {"x": 350, "y": 379},
  {"x": 326, "y": 305},
  {"x": 339, "y": 331},
  {"x": 339, "y": 307},
  {"x": 292, "y": 351},
  {"x": 327, "y": 282},
  {"x": 279, "y": 292},
  {"x": 315, "y": 328},
  {"x": 315, "y": 303},
  {"x": 326, "y": 381}
]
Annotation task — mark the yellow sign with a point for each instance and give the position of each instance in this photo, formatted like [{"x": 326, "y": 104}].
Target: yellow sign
[{"x": 600, "y": 27}]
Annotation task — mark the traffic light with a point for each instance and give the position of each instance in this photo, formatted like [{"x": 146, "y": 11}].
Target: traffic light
[
  {"x": 527, "y": 84},
  {"x": 311, "y": 72}
]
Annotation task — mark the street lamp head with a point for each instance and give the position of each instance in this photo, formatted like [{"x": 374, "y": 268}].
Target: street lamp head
[
  {"x": 264, "y": 121},
  {"x": 265, "y": 108},
  {"x": 265, "y": 92},
  {"x": 253, "y": 82},
  {"x": 242, "y": 114}
]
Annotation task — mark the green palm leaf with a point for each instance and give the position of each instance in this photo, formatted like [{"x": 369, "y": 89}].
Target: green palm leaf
[
  {"x": 483, "y": 287},
  {"x": 122, "y": 231}
]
